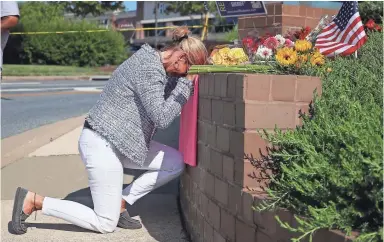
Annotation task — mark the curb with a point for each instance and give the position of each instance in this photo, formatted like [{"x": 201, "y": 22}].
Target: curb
[
  {"x": 55, "y": 78},
  {"x": 19, "y": 146}
]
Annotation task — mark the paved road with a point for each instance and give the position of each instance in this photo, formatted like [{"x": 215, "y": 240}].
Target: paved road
[{"x": 28, "y": 105}]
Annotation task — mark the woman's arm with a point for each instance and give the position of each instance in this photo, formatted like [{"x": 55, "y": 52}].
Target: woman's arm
[{"x": 151, "y": 93}]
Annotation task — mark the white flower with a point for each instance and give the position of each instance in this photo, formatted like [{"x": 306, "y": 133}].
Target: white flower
[
  {"x": 264, "y": 52},
  {"x": 281, "y": 40}
]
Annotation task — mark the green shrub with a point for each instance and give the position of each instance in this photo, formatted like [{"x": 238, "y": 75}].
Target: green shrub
[
  {"x": 371, "y": 10},
  {"x": 330, "y": 171},
  {"x": 75, "y": 49}
]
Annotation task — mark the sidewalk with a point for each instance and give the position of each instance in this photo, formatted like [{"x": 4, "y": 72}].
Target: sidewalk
[
  {"x": 55, "y": 78},
  {"x": 55, "y": 169}
]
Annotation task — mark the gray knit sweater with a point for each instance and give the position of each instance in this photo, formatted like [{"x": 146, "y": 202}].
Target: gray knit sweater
[{"x": 138, "y": 98}]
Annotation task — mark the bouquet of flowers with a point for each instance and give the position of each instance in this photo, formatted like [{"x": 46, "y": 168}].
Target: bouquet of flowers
[{"x": 224, "y": 55}]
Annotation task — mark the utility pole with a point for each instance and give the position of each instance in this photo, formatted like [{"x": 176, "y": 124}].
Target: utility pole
[{"x": 156, "y": 11}]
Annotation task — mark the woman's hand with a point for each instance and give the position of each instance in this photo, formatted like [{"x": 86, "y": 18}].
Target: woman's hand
[{"x": 191, "y": 77}]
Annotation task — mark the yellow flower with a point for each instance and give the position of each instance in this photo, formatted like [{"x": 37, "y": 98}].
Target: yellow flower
[
  {"x": 303, "y": 58},
  {"x": 317, "y": 60},
  {"x": 217, "y": 59},
  {"x": 329, "y": 69},
  {"x": 286, "y": 56},
  {"x": 303, "y": 45},
  {"x": 237, "y": 55},
  {"x": 224, "y": 52}
]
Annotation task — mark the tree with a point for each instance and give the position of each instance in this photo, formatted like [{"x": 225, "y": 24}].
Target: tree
[
  {"x": 189, "y": 8},
  {"x": 95, "y": 8}
]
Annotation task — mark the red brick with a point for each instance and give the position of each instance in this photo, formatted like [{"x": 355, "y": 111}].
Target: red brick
[
  {"x": 240, "y": 84},
  {"x": 270, "y": 8},
  {"x": 211, "y": 84},
  {"x": 283, "y": 87},
  {"x": 303, "y": 11},
  {"x": 204, "y": 201},
  {"x": 241, "y": 22},
  {"x": 240, "y": 115},
  {"x": 258, "y": 21},
  {"x": 211, "y": 135},
  {"x": 209, "y": 185},
  {"x": 199, "y": 222},
  {"x": 217, "y": 111},
  {"x": 293, "y": 21},
  {"x": 254, "y": 145},
  {"x": 232, "y": 79},
  {"x": 304, "y": 109},
  {"x": 203, "y": 156},
  {"x": 291, "y": 10},
  {"x": 268, "y": 116},
  {"x": 234, "y": 199},
  {"x": 248, "y": 206},
  {"x": 266, "y": 222},
  {"x": 311, "y": 22},
  {"x": 228, "y": 168},
  {"x": 221, "y": 84},
  {"x": 216, "y": 163},
  {"x": 229, "y": 113},
  {"x": 282, "y": 233},
  {"x": 217, "y": 237},
  {"x": 221, "y": 191},
  {"x": 236, "y": 143},
  {"x": 201, "y": 131},
  {"x": 244, "y": 233},
  {"x": 205, "y": 109},
  {"x": 208, "y": 232},
  {"x": 239, "y": 172},
  {"x": 258, "y": 87},
  {"x": 255, "y": 177},
  {"x": 260, "y": 236},
  {"x": 277, "y": 21},
  {"x": 278, "y": 9},
  {"x": 227, "y": 225},
  {"x": 214, "y": 214},
  {"x": 310, "y": 12},
  {"x": 317, "y": 12},
  {"x": 222, "y": 141},
  {"x": 202, "y": 90},
  {"x": 306, "y": 87}
]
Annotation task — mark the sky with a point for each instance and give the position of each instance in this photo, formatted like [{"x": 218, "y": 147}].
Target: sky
[{"x": 130, "y": 5}]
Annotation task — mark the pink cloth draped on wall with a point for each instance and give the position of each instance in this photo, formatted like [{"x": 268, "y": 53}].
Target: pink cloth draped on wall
[{"x": 188, "y": 127}]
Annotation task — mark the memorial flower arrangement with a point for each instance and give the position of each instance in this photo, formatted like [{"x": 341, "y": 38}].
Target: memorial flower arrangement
[{"x": 292, "y": 53}]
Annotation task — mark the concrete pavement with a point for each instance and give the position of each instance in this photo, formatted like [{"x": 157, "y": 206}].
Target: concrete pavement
[{"x": 55, "y": 169}]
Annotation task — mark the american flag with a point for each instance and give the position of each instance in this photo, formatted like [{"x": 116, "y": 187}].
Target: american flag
[{"x": 345, "y": 34}]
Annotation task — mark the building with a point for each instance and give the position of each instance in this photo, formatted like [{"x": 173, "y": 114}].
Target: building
[{"x": 146, "y": 19}]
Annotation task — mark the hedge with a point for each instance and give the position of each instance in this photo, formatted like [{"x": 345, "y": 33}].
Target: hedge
[
  {"x": 329, "y": 171},
  {"x": 74, "y": 49}
]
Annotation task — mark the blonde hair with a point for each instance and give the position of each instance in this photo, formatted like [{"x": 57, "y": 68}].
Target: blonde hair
[{"x": 195, "y": 49}]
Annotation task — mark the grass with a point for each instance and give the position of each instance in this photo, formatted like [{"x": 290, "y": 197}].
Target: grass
[{"x": 46, "y": 70}]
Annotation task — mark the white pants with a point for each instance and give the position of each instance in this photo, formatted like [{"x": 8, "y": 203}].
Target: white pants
[{"x": 105, "y": 174}]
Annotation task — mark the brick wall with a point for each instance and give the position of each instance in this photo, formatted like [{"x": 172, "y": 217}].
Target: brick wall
[
  {"x": 215, "y": 196},
  {"x": 281, "y": 18}
]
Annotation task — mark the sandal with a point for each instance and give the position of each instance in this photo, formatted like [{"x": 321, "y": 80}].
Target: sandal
[{"x": 18, "y": 215}]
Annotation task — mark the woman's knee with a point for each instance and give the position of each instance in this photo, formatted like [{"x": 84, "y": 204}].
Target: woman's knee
[{"x": 107, "y": 225}]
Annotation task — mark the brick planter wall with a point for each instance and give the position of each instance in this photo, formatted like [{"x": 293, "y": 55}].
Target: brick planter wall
[{"x": 216, "y": 202}]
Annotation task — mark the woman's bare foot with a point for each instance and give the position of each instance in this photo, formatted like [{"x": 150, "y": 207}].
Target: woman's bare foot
[
  {"x": 32, "y": 202},
  {"x": 123, "y": 208}
]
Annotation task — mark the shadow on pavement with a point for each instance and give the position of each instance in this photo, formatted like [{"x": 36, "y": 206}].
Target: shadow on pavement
[{"x": 153, "y": 209}]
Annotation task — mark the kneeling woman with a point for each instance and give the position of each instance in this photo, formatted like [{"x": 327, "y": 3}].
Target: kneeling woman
[{"x": 141, "y": 95}]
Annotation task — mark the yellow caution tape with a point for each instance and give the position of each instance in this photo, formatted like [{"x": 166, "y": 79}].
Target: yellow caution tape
[
  {"x": 101, "y": 30},
  {"x": 106, "y": 30}
]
